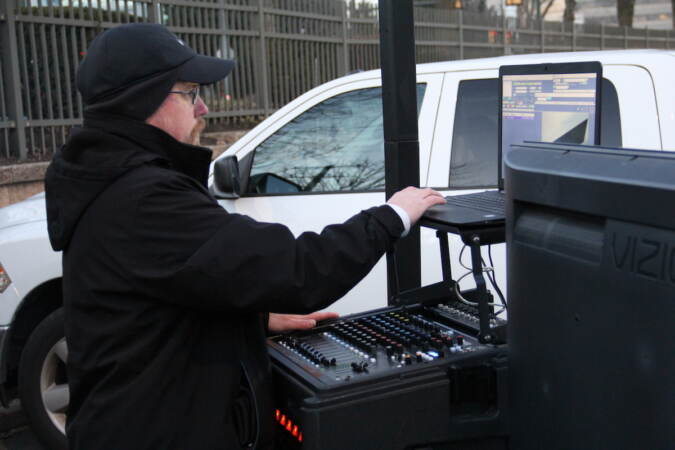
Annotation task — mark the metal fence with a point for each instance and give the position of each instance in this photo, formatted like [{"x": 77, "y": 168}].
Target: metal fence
[{"x": 283, "y": 48}]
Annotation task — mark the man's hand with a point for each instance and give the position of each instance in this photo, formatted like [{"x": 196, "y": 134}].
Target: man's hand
[
  {"x": 279, "y": 323},
  {"x": 415, "y": 201}
]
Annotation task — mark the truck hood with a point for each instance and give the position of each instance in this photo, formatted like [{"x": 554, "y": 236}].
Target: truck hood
[{"x": 30, "y": 210}]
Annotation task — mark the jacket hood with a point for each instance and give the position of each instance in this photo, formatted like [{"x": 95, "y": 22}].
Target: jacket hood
[{"x": 96, "y": 155}]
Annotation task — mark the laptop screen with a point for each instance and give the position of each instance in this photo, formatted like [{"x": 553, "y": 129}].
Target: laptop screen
[{"x": 549, "y": 103}]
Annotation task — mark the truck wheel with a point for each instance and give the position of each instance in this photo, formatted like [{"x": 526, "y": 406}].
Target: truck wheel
[{"x": 43, "y": 385}]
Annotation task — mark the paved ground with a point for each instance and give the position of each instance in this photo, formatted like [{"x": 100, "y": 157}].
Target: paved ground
[{"x": 14, "y": 432}]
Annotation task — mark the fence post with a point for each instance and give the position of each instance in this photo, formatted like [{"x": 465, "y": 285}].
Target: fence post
[
  {"x": 262, "y": 83},
  {"x": 574, "y": 37},
  {"x": 10, "y": 66},
  {"x": 153, "y": 17},
  {"x": 541, "y": 34},
  {"x": 460, "y": 28},
  {"x": 345, "y": 48},
  {"x": 504, "y": 31},
  {"x": 625, "y": 37}
]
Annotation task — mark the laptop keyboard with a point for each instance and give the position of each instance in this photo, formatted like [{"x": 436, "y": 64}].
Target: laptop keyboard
[{"x": 488, "y": 201}]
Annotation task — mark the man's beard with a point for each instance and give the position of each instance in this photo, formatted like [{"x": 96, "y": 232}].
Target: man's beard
[{"x": 196, "y": 131}]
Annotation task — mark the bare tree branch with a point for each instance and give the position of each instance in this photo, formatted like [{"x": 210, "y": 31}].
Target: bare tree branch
[{"x": 548, "y": 6}]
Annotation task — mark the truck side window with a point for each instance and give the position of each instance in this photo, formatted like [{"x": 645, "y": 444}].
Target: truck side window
[
  {"x": 473, "y": 161},
  {"x": 335, "y": 146},
  {"x": 610, "y": 120}
]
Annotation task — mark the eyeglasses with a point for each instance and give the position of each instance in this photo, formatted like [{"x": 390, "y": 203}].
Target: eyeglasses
[{"x": 193, "y": 93}]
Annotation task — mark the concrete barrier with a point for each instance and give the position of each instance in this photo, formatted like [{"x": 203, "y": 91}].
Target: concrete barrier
[{"x": 20, "y": 181}]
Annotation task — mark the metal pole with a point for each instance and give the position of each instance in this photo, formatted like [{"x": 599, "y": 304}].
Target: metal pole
[
  {"x": 401, "y": 145},
  {"x": 574, "y": 37},
  {"x": 541, "y": 34},
  {"x": 504, "y": 30},
  {"x": 17, "y": 134},
  {"x": 461, "y": 34},
  {"x": 625, "y": 37},
  {"x": 264, "y": 68},
  {"x": 602, "y": 36},
  {"x": 153, "y": 17},
  {"x": 345, "y": 48}
]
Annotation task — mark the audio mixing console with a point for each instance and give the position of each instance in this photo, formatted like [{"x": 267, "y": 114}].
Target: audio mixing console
[
  {"x": 418, "y": 368},
  {"x": 380, "y": 344}
]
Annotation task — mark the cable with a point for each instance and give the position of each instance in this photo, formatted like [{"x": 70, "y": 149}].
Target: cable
[
  {"x": 470, "y": 272},
  {"x": 461, "y": 255},
  {"x": 491, "y": 276},
  {"x": 489, "y": 270},
  {"x": 493, "y": 280}
]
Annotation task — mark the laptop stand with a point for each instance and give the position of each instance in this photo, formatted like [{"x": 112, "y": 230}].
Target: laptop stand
[{"x": 474, "y": 238}]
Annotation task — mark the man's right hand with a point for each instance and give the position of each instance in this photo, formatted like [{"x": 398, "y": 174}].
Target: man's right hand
[{"x": 415, "y": 201}]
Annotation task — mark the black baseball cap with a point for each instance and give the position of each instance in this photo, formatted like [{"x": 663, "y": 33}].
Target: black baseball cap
[{"x": 129, "y": 70}]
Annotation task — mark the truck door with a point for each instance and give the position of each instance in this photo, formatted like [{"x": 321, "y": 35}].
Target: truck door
[{"x": 324, "y": 162}]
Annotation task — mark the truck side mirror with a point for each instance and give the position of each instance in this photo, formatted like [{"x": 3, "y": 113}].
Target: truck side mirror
[{"x": 226, "y": 178}]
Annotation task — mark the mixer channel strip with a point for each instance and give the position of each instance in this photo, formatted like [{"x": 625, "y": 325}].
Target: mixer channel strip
[{"x": 463, "y": 315}]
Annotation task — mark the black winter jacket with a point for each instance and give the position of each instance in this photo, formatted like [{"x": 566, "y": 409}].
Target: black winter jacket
[{"x": 164, "y": 290}]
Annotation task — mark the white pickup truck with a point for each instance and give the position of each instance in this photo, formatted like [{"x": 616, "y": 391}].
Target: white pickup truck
[{"x": 328, "y": 143}]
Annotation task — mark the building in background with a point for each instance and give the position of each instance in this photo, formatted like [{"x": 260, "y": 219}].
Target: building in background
[{"x": 654, "y": 14}]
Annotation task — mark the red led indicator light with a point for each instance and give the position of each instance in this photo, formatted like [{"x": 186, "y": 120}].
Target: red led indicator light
[{"x": 288, "y": 424}]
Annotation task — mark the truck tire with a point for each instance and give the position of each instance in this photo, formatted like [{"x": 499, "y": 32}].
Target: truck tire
[{"x": 43, "y": 385}]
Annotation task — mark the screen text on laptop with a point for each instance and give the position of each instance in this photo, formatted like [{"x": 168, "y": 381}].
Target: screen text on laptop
[{"x": 548, "y": 108}]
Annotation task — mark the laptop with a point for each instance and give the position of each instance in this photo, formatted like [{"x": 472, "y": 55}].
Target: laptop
[{"x": 557, "y": 103}]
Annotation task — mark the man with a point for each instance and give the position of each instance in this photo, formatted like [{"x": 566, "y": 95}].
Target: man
[{"x": 166, "y": 294}]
